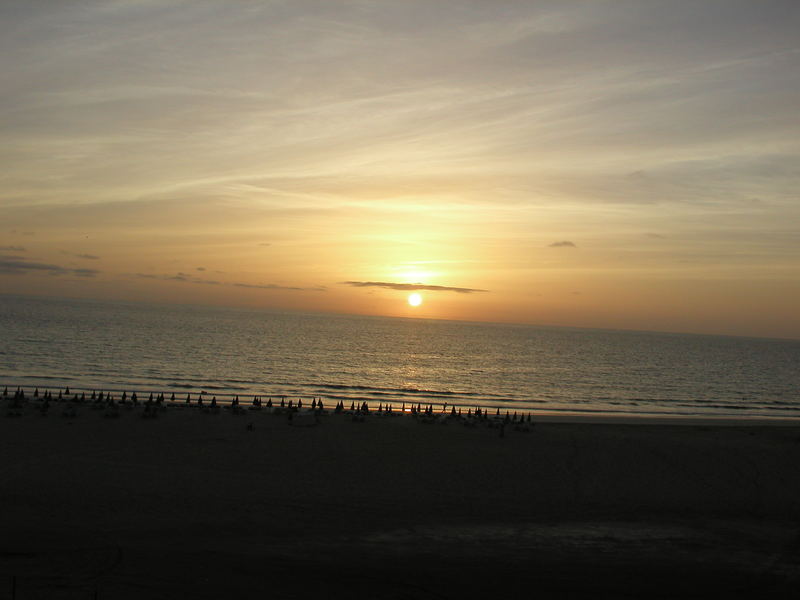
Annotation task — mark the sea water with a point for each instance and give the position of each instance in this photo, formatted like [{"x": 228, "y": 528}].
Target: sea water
[{"x": 116, "y": 346}]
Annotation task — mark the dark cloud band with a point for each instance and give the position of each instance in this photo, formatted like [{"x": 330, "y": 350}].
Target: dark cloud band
[
  {"x": 187, "y": 278},
  {"x": 16, "y": 265},
  {"x": 275, "y": 286}
]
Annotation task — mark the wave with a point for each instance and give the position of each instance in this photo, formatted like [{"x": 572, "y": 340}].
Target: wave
[
  {"x": 382, "y": 394},
  {"x": 48, "y": 377},
  {"x": 189, "y": 386},
  {"x": 400, "y": 390}
]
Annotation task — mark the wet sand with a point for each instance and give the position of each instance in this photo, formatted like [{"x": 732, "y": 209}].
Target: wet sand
[{"x": 198, "y": 505}]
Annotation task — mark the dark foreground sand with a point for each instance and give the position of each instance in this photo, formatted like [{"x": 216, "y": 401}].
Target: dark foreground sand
[{"x": 192, "y": 505}]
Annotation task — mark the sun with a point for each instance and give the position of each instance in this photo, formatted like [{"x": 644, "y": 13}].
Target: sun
[{"x": 414, "y": 299}]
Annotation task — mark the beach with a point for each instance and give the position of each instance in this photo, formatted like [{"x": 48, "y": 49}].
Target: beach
[{"x": 202, "y": 505}]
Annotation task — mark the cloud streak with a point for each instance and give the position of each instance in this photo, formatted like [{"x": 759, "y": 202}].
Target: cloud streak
[
  {"x": 275, "y": 286},
  {"x": 18, "y": 265},
  {"x": 83, "y": 256},
  {"x": 183, "y": 277},
  {"x": 188, "y": 278},
  {"x": 412, "y": 287}
]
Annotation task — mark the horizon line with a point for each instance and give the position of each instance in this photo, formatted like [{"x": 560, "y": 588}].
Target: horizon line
[{"x": 412, "y": 318}]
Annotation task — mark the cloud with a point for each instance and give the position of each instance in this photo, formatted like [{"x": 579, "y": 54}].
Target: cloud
[
  {"x": 187, "y": 278},
  {"x": 84, "y": 256},
  {"x": 274, "y": 286},
  {"x": 301, "y": 73},
  {"x": 201, "y": 268},
  {"x": 18, "y": 265},
  {"x": 12, "y": 249},
  {"x": 412, "y": 286},
  {"x": 184, "y": 277},
  {"x": 563, "y": 244},
  {"x": 179, "y": 277}
]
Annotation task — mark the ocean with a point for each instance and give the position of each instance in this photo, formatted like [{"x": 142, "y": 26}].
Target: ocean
[{"x": 116, "y": 346}]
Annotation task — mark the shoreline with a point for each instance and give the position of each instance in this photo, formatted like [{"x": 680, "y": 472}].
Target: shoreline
[
  {"x": 177, "y": 399},
  {"x": 651, "y": 419}
]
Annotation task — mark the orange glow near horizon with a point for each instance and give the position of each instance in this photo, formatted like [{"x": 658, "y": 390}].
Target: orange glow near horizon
[{"x": 341, "y": 171}]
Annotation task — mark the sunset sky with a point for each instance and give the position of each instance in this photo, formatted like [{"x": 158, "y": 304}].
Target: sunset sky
[{"x": 615, "y": 164}]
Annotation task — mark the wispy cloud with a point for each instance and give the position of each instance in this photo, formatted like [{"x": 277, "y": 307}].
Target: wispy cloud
[
  {"x": 275, "y": 286},
  {"x": 83, "y": 256},
  {"x": 563, "y": 244},
  {"x": 412, "y": 286},
  {"x": 188, "y": 278},
  {"x": 18, "y": 265},
  {"x": 183, "y": 277},
  {"x": 12, "y": 249}
]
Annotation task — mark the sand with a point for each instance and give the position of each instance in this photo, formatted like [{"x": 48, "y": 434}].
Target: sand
[{"x": 194, "y": 505}]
